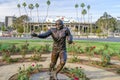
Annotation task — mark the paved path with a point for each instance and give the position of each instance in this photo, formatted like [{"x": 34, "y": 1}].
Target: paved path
[{"x": 92, "y": 72}]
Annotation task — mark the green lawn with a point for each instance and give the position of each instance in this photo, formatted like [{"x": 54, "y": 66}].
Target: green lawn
[{"x": 113, "y": 46}]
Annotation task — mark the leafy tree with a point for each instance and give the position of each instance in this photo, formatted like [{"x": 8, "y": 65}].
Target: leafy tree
[
  {"x": 18, "y": 23},
  {"x": 106, "y": 23},
  {"x": 3, "y": 28}
]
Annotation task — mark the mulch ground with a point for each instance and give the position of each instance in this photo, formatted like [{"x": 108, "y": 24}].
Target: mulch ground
[
  {"x": 21, "y": 60},
  {"x": 110, "y": 67}
]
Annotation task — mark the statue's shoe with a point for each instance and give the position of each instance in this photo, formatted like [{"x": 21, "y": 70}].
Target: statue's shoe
[{"x": 55, "y": 76}]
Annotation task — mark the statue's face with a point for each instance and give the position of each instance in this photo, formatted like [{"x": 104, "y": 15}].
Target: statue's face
[{"x": 58, "y": 25}]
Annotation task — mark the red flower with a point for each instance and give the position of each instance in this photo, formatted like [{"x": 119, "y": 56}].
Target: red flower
[
  {"x": 76, "y": 78},
  {"x": 94, "y": 46},
  {"x": 33, "y": 64},
  {"x": 80, "y": 67}
]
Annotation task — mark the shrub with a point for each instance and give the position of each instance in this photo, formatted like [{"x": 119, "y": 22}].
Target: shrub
[
  {"x": 90, "y": 51},
  {"x": 36, "y": 55},
  {"x": 77, "y": 73},
  {"x": 6, "y": 55},
  {"x": 24, "y": 48},
  {"x": 74, "y": 59},
  {"x": 24, "y": 73},
  {"x": 105, "y": 55}
]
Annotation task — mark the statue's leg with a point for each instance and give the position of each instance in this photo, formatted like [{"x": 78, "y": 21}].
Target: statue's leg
[
  {"x": 63, "y": 58},
  {"x": 54, "y": 58}
]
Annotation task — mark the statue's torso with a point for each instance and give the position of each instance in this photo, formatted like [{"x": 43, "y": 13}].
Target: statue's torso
[{"x": 59, "y": 37}]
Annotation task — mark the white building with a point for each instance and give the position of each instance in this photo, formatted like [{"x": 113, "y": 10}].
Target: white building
[
  {"x": 9, "y": 21},
  {"x": 63, "y": 18}
]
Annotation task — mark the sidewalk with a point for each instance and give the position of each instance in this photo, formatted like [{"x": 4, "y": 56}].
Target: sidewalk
[{"x": 93, "y": 73}]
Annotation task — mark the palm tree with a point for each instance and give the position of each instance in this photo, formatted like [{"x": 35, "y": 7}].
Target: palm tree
[
  {"x": 31, "y": 7},
  {"x": 76, "y": 6},
  {"x": 18, "y": 5},
  {"x": 48, "y": 3},
  {"x": 88, "y": 7},
  {"x": 82, "y": 6},
  {"x": 24, "y": 5},
  {"x": 37, "y": 6},
  {"x": 84, "y": 12}
]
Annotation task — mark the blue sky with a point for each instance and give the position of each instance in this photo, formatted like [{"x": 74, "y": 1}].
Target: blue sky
[{"x": 62, "y": 8}]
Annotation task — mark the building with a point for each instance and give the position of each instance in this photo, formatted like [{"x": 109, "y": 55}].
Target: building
[
  {"x": 9, "y": 21},
  {"x": 75, "y": 26}
]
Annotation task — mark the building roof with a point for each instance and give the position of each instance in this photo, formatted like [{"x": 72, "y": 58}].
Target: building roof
[{"x": 63, "y": 18}]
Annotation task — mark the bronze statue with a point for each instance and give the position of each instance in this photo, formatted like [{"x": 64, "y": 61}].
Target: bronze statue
[{"x": 59, "y": 35}]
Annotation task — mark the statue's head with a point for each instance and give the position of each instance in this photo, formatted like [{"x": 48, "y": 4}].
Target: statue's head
[{"x": 59, "y": 24}]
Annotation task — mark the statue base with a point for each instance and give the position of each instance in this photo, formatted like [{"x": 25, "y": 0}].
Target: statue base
[{"x": 47, "y": 76}]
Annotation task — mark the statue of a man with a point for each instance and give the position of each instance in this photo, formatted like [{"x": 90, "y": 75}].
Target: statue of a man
[{"x": 59, "y": 35}]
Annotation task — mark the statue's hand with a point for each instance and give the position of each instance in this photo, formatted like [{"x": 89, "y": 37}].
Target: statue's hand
[{"x": 34, "y": 35}]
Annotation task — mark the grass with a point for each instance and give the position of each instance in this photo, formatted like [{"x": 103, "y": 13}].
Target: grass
[{"x": 113, "y": 46}]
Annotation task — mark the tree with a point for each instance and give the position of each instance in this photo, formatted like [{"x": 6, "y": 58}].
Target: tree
[
  {"x": 37, "y": 6},
  {"x": 3, "y": 28},
  {"x": 31, "y": 7},
  {"x": 76, "y": 6},
  {"x": 107, "y": 23},
  {"x": 82, "y": 6},
  {"x": 24, "y": 5},
  {"x": 48, "y": 3},
  {"x": 84, "y": 12},
  {"x": 18, "y": 23},
  {"x": 88, "y": 7},
  {"x": 18, "y": 5}
]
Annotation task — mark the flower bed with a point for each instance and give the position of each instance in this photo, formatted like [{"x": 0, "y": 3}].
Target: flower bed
[
  {"x": 25, "y": 73},
  {"x": 109, "y": 67}
]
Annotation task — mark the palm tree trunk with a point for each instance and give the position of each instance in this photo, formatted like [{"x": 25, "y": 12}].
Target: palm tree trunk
[
  {"x": 47, "y": 12},
  {"x": 31, "y": 19},
  {"x": 38, "y": 15},
  {"x": 77, "y": 14},
  {"x": 19, "y": 11}
]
